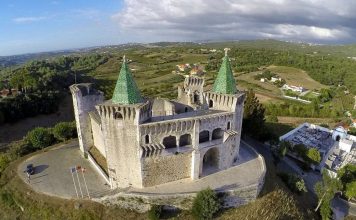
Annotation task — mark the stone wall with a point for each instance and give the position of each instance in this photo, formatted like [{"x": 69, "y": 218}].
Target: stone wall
[
  {"x": 98, "y": 138},
  {"x": 142, "y": 202},
  {"x": 163, "y": 169}
]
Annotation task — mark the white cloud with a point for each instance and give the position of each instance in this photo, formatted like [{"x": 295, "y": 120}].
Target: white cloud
[
  {"x": 28, "y": 19},
  {"x": 309, "y": 20}
]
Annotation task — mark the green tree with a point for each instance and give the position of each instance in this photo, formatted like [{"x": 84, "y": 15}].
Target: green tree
[
  {"x": 40, "y": 138},
  {"x": 313, "y": 155},
  {"x": 254, "y": 116},
  {"x": 205, "y": 204},
  {"x": 282, "y": 149},
  {"x": 350, "y": 191},
  {"x": 64, "y": 130},
  {"x": 347, "y": 174},
  {"x": 325, "y": 191},
  {"x": 300, "y": 185}
]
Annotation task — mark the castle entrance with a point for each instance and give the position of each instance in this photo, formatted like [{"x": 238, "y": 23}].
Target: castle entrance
[{"x": 210, "y": 162}]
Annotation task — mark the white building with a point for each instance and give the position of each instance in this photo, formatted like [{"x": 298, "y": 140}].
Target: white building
[
  {"x": 274, "y": 79},
  {"x": 294, "y": 88},
  {"x": 345, "y": 145}
]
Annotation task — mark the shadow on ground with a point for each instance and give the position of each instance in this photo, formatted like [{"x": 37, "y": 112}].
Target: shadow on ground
[{"x": 40, "y": 168}]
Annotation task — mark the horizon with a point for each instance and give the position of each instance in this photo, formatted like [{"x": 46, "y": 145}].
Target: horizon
[
  {"x": 194, "y": 42},
  {"x": 47, "y": 26}
]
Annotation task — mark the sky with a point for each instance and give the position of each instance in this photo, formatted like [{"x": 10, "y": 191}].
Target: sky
[{"x": 47, "y": 25}]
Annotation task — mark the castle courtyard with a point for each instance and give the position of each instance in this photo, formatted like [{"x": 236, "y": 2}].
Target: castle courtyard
[{"x": 53, "y": 177}]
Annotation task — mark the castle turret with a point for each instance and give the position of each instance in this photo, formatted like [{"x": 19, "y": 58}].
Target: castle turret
[
  {"x": 85, "y": 98},
  {"x": 126, "y": 90},
  {"x": 225, "y": 82},
  {"x": 120, "y": 119}
]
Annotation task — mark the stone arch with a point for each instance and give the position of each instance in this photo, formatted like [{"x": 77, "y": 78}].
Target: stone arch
[
  {"x": 204, "y": 136},
  {"x": 170, "y": 142},
  {"x": 211, "y": 103},
  {"x": 218, "y": 133},
  {"x": 147, "y": 139},
  {"x": 210, "y": 162},
  {"x": 185, "y": 139}
]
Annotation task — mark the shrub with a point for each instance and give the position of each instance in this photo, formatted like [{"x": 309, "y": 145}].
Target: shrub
[
  {"x": 205, "y": 204},
  {"x": 313, "y": 155},
  {"x": 351, "y": 190},
  {"x": 293, "y": 182},
  {"x": 40, "y": 138},
  {"x": 272, "y": 118},
  {"x": 64, "y": 130},
  {"x": 155, "y": 212},
  {"x": 300, "y": 149},
  {"x": 4, "y": 161}
]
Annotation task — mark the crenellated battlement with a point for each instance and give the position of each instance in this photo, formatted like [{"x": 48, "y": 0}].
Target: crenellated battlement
[
  {"x": 125, "y": 112},
  {"x": 193, "y": 81},
  {"x": 225, "y": 102}
]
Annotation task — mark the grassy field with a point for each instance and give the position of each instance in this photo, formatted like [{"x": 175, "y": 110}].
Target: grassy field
[{"x": 294, "y": 76}]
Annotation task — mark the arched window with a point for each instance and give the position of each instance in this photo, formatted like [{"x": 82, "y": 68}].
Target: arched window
[
  {"x": 196, "y": 97},
  {"x": 170, "y": 142},
  {"x": 204, "y": 136},
  {"x": 228, "y": 125},
  {"x": 118, "y": 115},
  {"x": 185, "y": 139},
  {"x": 211, "y": 103},
  {"x": 147, "y": 139},
  {"x": 217, "y": 133},
  {"x": 186, "y": 109}
]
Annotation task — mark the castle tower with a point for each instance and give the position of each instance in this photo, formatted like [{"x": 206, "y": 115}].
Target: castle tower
[
  {"x": 120, "y": 118},
  {"x": 85, "y": 98},
  {"x": 225, "y": 96},
  {"x": 192, "y": 92}
]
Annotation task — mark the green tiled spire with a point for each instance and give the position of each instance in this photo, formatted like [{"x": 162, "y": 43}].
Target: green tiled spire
[
  {"x": 225, "y": 82},
  {"x": 126, "y": 90}
]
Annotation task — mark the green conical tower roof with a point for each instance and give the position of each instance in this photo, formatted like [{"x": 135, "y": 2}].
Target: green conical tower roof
[
  {"x": 126, "y": 90},
  {"x": 225, "y": 82}
]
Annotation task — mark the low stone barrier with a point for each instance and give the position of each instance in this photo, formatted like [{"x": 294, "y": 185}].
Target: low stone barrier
[{"x": 98, "y": 168}]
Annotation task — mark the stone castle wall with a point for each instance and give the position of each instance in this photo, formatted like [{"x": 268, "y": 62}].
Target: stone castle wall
[{"x": 164, "y": 169}]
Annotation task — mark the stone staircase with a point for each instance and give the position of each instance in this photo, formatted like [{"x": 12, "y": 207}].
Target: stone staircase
[{"x": 228, "y": 135}]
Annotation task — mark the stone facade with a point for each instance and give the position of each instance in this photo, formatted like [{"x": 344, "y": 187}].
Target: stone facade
[{"x": 151, "y": 142}]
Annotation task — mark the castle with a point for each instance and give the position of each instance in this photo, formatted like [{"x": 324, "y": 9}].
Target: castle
[{"x": 148, "y": 142}]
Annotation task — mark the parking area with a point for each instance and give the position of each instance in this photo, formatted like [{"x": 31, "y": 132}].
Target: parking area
[{"x": 53, "y": 176}]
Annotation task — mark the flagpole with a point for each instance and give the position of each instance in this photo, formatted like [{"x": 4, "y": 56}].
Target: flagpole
[
  {"x": 80, "y": 188},
  {"x": 85, "y": 182},
  {"x": 75, "y": 187}
]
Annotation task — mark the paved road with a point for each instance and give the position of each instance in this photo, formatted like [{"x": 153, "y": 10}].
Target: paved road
[{"x": 52, "y": 172}]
